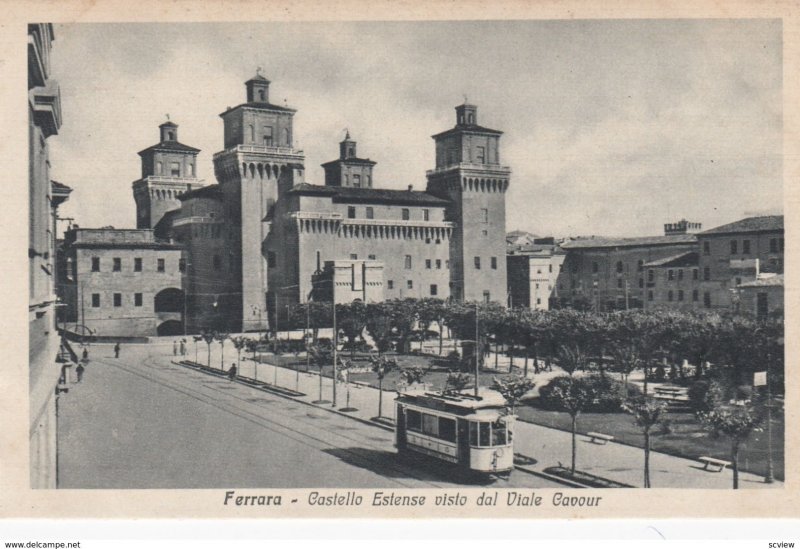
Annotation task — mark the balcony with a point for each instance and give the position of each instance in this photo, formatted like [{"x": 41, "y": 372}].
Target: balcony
[
  {"x": 485, "y": 168},
  {"x": 315, "y": 215},
  {"x": 262, "y": 149},
  {"x": 46, "y": 103}
]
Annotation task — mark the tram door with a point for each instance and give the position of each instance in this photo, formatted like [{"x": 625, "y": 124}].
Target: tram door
[
  {"x": 463, "y": 442},
  {"x": 400, "y": 436}
]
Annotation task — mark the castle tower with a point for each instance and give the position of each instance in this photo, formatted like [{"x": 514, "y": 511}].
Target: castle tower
[
  {"x": 169, "y": 169},
  {"x": 349, "y": 170},
  {"x": 468, "y": 174},
  {"x": 257, "y": 164}
]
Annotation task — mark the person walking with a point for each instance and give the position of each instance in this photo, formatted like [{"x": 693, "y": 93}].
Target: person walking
[
  {"x": 85, "y": 353},
  {"x": 174, "y": 348},
  {"x": 232, "y": 373},
  {"x": 116, "y": 350},
  {"x": 183, "y": 347},
  {"x": 79, "y": 371}
]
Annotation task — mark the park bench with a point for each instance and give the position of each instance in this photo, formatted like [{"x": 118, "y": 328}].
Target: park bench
[
  {"x": 598, "y": 437},
  {"x": 670, "y": 393},
  {"x": 720, "y": 463}
]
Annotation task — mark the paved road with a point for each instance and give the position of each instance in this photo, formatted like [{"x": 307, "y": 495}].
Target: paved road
[{"x": 140, "y": 422}]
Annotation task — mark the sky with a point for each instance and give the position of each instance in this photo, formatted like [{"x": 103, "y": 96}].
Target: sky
[{"x": 610, "y": 127}]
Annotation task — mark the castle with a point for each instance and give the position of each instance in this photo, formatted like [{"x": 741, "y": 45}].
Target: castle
[{"x": 263, "y": 238}]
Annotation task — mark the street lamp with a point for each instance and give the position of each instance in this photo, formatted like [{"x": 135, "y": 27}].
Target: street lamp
[{"x": 769, "y": 477}]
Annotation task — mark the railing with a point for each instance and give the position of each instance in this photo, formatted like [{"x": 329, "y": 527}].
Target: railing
[
  {"x": 470, "y": 166},
  {"x": 315, "y": 215},
  {"x": 195, "y": 219},
  {"x": 261, "y": 149},
  {"x": 400, "y": 223},
  {"x": 174, "y": 180}
]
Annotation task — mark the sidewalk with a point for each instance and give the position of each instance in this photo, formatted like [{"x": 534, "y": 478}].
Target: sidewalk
[{"x": 549, "y": 447}]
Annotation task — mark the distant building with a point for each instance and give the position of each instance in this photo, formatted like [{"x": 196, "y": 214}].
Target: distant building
[
  {"x": 609, "y": 273},
  {"x": 533, "y": 270},
  {"x": 673, "y": 282},
  {"x": 760, "y": 297},
  {"x": 736, "y": 253},
  {"x": 44, "y": 197},
  {"x": 122, "y": 282}
]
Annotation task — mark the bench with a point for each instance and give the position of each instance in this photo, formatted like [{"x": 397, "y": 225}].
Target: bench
[
  {"x": 720, "y": 463},
  {"x": 598, "y": 437}
]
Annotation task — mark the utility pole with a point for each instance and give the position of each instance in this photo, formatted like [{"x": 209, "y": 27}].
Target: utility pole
[
  {"x": 477, "y": 344},
  {"x": 769, "y": 478},
  {"x": 335, "y": 346},
  {"x": 626, "y": 294}
]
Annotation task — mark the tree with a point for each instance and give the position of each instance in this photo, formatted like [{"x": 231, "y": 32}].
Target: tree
[
  {"x": 208, "y": 337},
  {"x": 737, "y": 424},
  {"x": 429, "y": 310},
  {"x": 455, "y": 383},
  {"x": 318, "y": 314},
  {"x": 404, "y": 316},
  {"x": 239, "y": 342},
  {"x": 221, "y": 337},
  {"x": 647, "y": 413},
  {"x": 381, "y": 366},
  {"x": 321, "y": 356},
  {"x": 343, "y": 374},
  {"x": 573, "y": 396},
  {"x": 196, "y": 339},
  {"x": 513, "y": 388},
  {"x": 379, "y": 326},
  {"x": 412, "y": 375},
  {"x": 351, "y": 318}
]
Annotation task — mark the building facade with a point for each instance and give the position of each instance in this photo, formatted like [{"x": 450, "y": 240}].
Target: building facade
[
  {"x": 44, "y": 195},
  {"x": 673, "y": 282},
  {"x": 533, "y": 270},
  {"x": 122, "y": 283}
]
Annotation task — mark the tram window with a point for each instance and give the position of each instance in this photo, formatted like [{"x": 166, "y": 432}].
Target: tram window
[
  {"x": 413, "y": 420},
  {"x": 473, "y": 433},
  {"x": 447, "y": 429},
  {"x": 430, "y": 425},
  {"x": 498, "y": 433},
  {"x": 485, "y": 431}
]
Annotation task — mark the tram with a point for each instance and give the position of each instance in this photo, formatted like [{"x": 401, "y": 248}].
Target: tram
[{"x": 473, "y": 433}]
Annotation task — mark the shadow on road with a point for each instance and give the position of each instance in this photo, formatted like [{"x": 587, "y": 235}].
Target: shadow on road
[{"x": 397, "y": 466}]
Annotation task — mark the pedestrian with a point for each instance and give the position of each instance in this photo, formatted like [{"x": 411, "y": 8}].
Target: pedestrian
[
  {"x": 232, "y": 372},
  {"x": 85, "y": 353},
  {"x": 183, "y": 347},
  {"x": 174, "y": 348},
  {"x": 79, "y": 371},
  {"x": 116, "y": 350}
]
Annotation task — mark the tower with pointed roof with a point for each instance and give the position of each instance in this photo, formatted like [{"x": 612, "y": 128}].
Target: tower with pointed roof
[
  {"x": 349, "y": 170},
  {"x": 169, "y": 169},
  {"x": 469, "y": 175},
  {"x": 257, "y": 163}
]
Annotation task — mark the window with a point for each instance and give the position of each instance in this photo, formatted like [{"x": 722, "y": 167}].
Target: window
[
  {"x": 356, "y": 180},
  {"x": 159, "y": 169},
  {"x": 117, "y": 264},
  {"x": 137, "y": 264},
  {"x": 538, "y": 300},
  {"x": 367, "y": 182},
  {"x": 680, "y": 274},
  {"x": 773, "y": 245},
  {"x": 651, "y": 275},
  {"x": 641, "y": 282},
  {"x": 406, "y": 214},
  {"x": 447, "y": 429},
  {"x": 446, "y": 263},
  {"x": 346, "y": 180},
  {"x": 390, "y": 284},
  {"x": 426, "y": 215},
  {"x": 706, "y": 273},
  {"x": 370, "y": 213},
  {"x": 252, "y": 134},
  {"x": 680, "y": 295},
  {"x": 137, "y": 300},
  {"x": 434, "y": 289},
  {"x": 734, "y": 247},
  {"x": 351, "y": 212},
  {"x": 746, "y": 247},
  {"x": 271, "y": 260},
  {"x": 670, "y": 275},
  {"x": 408, "y": 262},
  {"x": 480, "y": 155},
  {"x": 182, "y": 265},
  {"x": 695, "y": 295},
  {"x": 484, "y": 215},
  {"x": 319, "y": 261},
  {"x": 117, "y": 300},
  {"x": 620, "y": 267},
  {"x": 371, "y": 256},
  {"x": 695, "y": 274},
  {"x": 484, "y": 232},
  {"x": 706, "y": 248},
  {"x": 353, "y": 256},
  {"x": 160, "y": 265},
  {"x": 191, "y": 170},
  {"x": 550, "y": 268},
  {"x": 95, "y": 264},
  {"x": 410, "y": 284},
  {"x": 494, "y": 263},
  {"x": 217, "y": 262},
  {"x": 174, "y": 169},
  {"x": 477, "y": 262},
  {"x": 438, "y": 263},
  {"x": 640, "y": 265},
  {"x": 430, "y": 425},
  {"x": 486, "y": 296},
  {"x": 95, "y": 300},
  {"x": 595, "y": 267},
  {"x": 738, "y": 280},
  {"x": 413, "y": 420},
  {"x": 427, "y": 263},
  {"x": 267, "y": 136},
  {"x": 619, "y": 283},
  {"x": 649, "y": 295},
  {"x": 706, "y": 299}
]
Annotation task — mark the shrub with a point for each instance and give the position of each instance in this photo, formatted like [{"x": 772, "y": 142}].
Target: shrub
[
  {"x": 609, "y": 394},
  {"x": 704, "y": 394},
  {"x": 744, "y": 392}
]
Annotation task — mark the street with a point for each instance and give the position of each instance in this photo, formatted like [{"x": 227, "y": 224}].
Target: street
[{"x": 141, "y": 422}]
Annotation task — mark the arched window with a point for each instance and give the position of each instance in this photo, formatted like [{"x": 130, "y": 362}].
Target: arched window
[
  {"x": 170, "y": 136},
  {"x": 158, "y": 168},
  {"x": 286, "y": 138},
  {"x": 620, "y": 267},
  {"x": 252, "y": 133},
  {"x": 261, "y": 96}
]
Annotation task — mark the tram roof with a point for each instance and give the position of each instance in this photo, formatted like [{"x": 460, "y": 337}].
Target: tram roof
[{"x": 461, "y": 404}]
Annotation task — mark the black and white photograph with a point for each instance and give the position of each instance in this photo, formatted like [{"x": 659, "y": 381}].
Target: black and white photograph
[{"x": 511, "y": 262}]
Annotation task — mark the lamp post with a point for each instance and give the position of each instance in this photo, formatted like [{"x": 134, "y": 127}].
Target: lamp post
[
  {"x": 477, "y": 344},
  {"x": 335, "y": 350},
  {"x": 769, "y": 477}
]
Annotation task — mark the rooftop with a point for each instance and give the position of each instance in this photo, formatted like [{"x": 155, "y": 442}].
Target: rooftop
[
  {"x": 261, "y": 106},
  {"x": 209, "y": 191},
  {"x": 686, "y": 259},
  {"x": 473, "y": 128},
  {"x": 766, "y": 281},
  {"x": 173, "y": 146},
  {"x": 604, "y": 242},
  {"x": 370, "y": 196},
  {"x": 763, "y": 223},
  {"x": 351, "y": 160}
]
